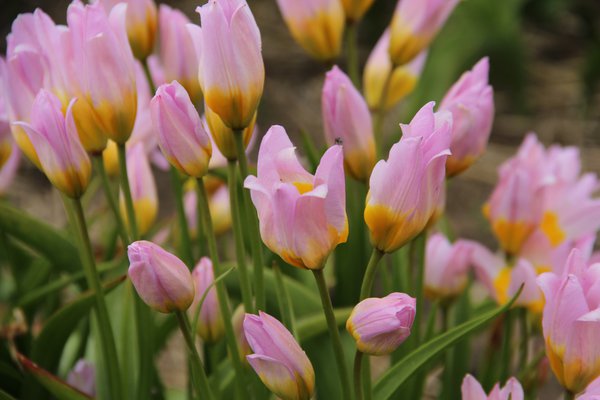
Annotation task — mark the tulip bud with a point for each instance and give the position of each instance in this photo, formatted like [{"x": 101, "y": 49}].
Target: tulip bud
[
  {"x": 233, "y": 77},
  {"x": 223, "y": 135},
  {"x": 162, "y": 280},
  {"x": 446, "y": 267},
  {"x": 356, "y": 9},
  {"x": 471, "y": 102},
  {"x": 83, "y": 377},
  {"x": 472, "y": 390},
  {"x": 380, "y": 325},
  {"x": 402, "y": 82},
  {"x": 278, "y": 360},
  {"x": 414, "y": 25},
  {"x": 302, "y": 216},
  {"x": 210, "y": 323},
  {"x": 346, "y": 117},
  {"x": 181, "y": 135},
  {"x": 238, "y": 328},
  {"x": 571, "y": 322},
  {"x": 416, "y": 165},
  {"x": 54, "y": 138},
  {"x": 317, "y": 26}
]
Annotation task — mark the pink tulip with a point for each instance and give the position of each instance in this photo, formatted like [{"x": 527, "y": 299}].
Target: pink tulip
[
  {"x": 571, "y": 322},
  {"x": 181, "y": 135},
  {"x": 346, "y": 117},
  {"x": 210, "y": 323},
  {"x": 223, "y": 136},
  {"x": 446, "y": 267},
  {"x": 161, "y": 279},
  {"x": 414, "y": 25},
  {"x": 471, "y": 102},
  {"x": 317, "y": 25},
  {"x": 472, "y": 390},
  {"x": 219, "y": 208},
  {"x": 380, "y": 325},
  {"x": 104, "y": 74},
  {"x": 83, "y": 377},
  {"x": 592, "y": 392},
  {"x": 379, "y": 66},
  {"x": 396, "y": 213},
  {"x": 232, "y": 78},
  {"x": 355, "y": 9},
  {"x": 9, "y": 170},
  {"x": 278, "y": 359},
  {"x": 54, "y": 138},
  {"x": 238, "y": 328},
  {"x": 302, "y": 216}
]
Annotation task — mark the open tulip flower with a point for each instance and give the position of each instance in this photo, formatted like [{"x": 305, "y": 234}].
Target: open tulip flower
[{"x": 472, "y": 390}]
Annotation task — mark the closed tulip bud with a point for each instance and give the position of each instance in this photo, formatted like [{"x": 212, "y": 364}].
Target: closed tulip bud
[
  {"x": 414, "y": 25},
  {"x": 83, "y": 377},
  {"x": 317, "y": 25},
  {"x": 143, "y": 189},
  {"x": 105, "y": 74},
  {"x": 355, "y": 9},
  {"x": 571, "y": 322},
  {"x": 181, "y": 135},
  {"x": 238, "y": 328},
  {"x": 54, "y": 138},
  {"x": 471, "y": 102},
  {"x": 223, "y": 135},
  {"x": 161, "y": 279},
  {"x": 278, "y": 360},
  {"x": 402, "y": 82},
  {"x": 233, "y": 77},
  {"x": 396, "y": 213},
  {"x": 446, "y": 267},
  {"x": 471, "y": 390},
  {"x": 346, "y": 117},
  {"x": 302, "y": 216},
  {"x": 380, "y": 325},
  {"x": 210, "y": 323}
]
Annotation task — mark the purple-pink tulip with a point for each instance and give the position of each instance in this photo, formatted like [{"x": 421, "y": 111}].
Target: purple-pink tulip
[
  {"x": 472, "y": 390},
  {"x": 233, "y": 76},
  {"x": 571, "y": 322},
  {"x": 347, "y": 119},
  {"x": 380, "y": 325},
  {"x": 55, "y": 140},
  {"x": 592, "y": 391},
  {"x": 471, "y": 102},
  {"x": 83, "y": 377},
  {"x": 160, "y": 278},
  {"x": 414, "y": 25},
  {"x": 210, "y": 322},
  {"x": 181, "y": 134},
  {"x": 278, "y": 360},
  {"x": 446, "y": 267},
  {"x": 302, "y": 216},
  {"x": 405, "y": 189}
]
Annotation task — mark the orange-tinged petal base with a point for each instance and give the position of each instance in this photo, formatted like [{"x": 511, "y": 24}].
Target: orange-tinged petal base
[
  {"x": 404, "y": 45},
  {"x": 551, "y": 228},
  {"x": 25, "y": 145},
  {"x": 511, "y": 235},
  {"x": 390, "y": 230}
]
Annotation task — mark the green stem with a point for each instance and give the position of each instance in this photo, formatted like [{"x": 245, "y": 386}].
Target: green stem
[
  {"x": 569, "y": 395},
  {"x": 184, "y": 231},
  {"x": 285, "y": 303},
  {"x": 149, "y": 76},
  {"x": 238, "y": 236},
  {"x": 505, "y": 359},
  {"x": 358, "y": 389},
  {"x": 253, "y": 231},
  {"x": 418, "y": 265},
  {"x": 352, "y": 53},
  {"x": 447, "y": 379},
  {"x": 366, "y": 378},
  {"x": 222, "y": 294},
  {"x": 198, "y": 375},
  {"x": 333, "y": 332},
  {"x": 367, "y": 284},
  {"x": 524, "y": 350},
  {"x": 131, "y": 220},
  {"x": 110, "y": 198},
  {"x": 381, "y": 112},
  {"x": 107, "y": 340}
]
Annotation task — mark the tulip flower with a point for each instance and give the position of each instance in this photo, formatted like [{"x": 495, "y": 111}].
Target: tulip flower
[
  {"x": 471, "y": 102},
  {"x": 161, "y": 279},
  {"x": 346, "y": 117},
  {"x": 317, "y": 25},
  {"x": 278, "y": 359},
  {"x": 143, "y": 189},
  {"x": 380, "y": 325},
  {"x": 355, "y": 9},
  {"x": 446, "y": 267},
  {"x": 5, "y": 136},
  {"x": 472, "y": 390},
  {"x": 592, "y": 392},
  {"x": 396, "y": 213},
  {"x": 140, "y": 21},
  {"x": 414, "y": 25},
  {"x": 181, "y": 135},
  {"x": 237, "y": 320},
  {"x": 233, "y": 77},
  {"x": 105, "y": 74},
  {"x": 54, "y": 138},
  {"x": 83, "y": 377},
  {"x": 223, "y": 135},
  {"x": 571, "y": 322},
  {"x": 8, "y": 171},
  {"x": 210, "y": 322},
  {"x": 402, "y": 82},
  {"x": 218, "y": 205},
  {"x": 302, "y": 216}
]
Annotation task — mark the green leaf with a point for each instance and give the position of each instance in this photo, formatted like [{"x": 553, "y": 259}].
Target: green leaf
[
  {"x": 59, "y": 388},
  {"x": 405, "y": 368},
  {"x": 5, "y": 396}
]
